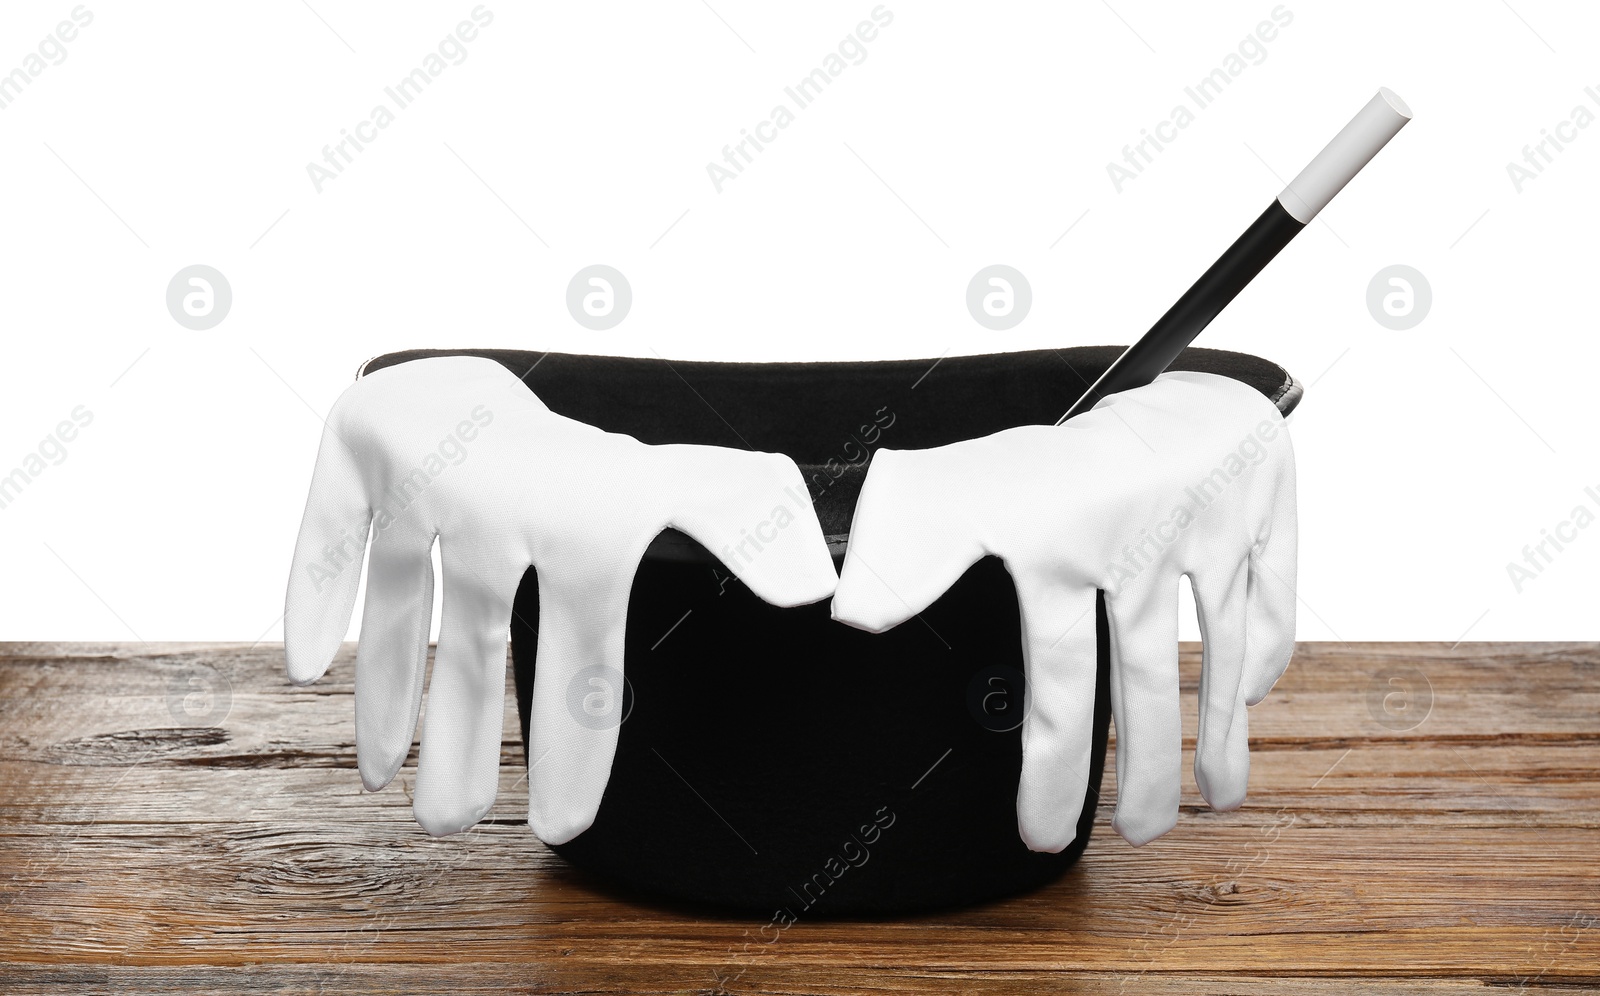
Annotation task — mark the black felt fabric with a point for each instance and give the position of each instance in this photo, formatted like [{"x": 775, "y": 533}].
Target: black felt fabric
[{"x": 773, "y": 760}]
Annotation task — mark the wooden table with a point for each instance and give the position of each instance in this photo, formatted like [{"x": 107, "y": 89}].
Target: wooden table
[{"x": 177, "y": 818}]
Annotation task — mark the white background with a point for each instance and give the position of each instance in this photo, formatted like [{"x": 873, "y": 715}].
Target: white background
[{"x": 972, "y": 134}]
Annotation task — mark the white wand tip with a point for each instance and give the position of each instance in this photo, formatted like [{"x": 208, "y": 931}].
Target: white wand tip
[{"x": 1342, "y": 158}]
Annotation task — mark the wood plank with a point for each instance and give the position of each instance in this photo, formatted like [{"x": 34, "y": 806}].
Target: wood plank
[
  {"x": 1201, "y": 899},
  {"x": 1382, "y": 785},
  {"x": 1470, "y": 693},
  {"x": 563, "y": 980}
]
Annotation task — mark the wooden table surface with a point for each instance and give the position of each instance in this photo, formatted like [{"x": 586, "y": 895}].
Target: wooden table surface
[{"x": 177, "y": 818}]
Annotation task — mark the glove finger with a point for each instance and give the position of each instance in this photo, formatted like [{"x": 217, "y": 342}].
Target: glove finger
[
  {"x": 458, "y": 771},
  {"x": 1058, "y": 646},
  {"x": 1144, "y": 700},
  {"x": 908, "y": 544},
  {"x": 1222, "y": 750},
  {"x": 393, "y": 655},
  {"x": 578, "y": 690},
  {"x": 753, "y": 512},
  {"x": 327, "y": 560},
  {"x": 1271, "y": 601}
]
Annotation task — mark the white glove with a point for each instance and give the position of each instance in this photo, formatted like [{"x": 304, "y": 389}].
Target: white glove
[
  {"x": 1192, "y": 475},
  {"x": 458, "y": 448}
]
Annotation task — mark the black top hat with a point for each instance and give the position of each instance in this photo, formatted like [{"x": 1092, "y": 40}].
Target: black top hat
[{"x": 772, "y": 759}]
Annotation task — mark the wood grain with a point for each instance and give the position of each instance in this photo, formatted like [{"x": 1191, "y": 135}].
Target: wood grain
[{"x": 177, "y": 818}]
